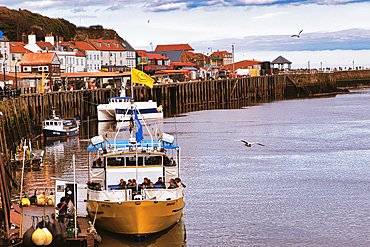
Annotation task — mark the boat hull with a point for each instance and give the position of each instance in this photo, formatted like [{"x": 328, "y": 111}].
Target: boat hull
[
  {"x": 57, "y": 134},
  {"x": 137, "y": 218}
]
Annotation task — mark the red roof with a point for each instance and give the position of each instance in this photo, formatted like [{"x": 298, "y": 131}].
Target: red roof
[
  {"x": 18, "y": 47},
  {"x": 156, "y": 56},
  {"x": 220, "y": 53},
  {"x": 182, "y": 64},
  {"x": 84, "y": 46},
  {"x": 242, "y": 64},
  {"x": 142, "y": 53},
  {"x": 191, "y": 54},
  {"x": 43, "y": 45},
  {"x": 106, "y": 45},
  {"x": 172, "y": 71},
  {"x": 37, "y": 58},
  {"x": 178, "y": 47}
]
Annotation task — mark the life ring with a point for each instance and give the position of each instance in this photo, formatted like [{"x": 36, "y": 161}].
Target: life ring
[{"x": 155, "y": 148}]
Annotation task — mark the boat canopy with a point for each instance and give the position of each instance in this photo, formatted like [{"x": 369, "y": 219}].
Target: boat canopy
[{"x": 121, "y": 144}]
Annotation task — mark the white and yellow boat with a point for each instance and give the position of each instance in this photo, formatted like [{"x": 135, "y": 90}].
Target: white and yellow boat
[{"x": 120, "y": 210}]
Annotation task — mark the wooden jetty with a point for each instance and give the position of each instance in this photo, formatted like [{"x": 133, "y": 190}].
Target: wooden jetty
[{"x": 26, "y": 217}]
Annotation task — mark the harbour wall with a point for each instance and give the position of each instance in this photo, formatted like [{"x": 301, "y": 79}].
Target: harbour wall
[
  {"x": 352, "y": 78},
  {"x": 22, "y": 117}
]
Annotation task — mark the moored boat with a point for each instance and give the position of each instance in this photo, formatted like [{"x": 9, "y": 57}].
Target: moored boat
[
  {"x": 56, "y": 128},
  {"x": 135, "y": 209},
  {"x": 119, "y": 109}
]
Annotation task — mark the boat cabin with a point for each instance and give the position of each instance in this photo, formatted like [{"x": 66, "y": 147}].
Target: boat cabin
[
  {"x": 125, "y": 166},
  {"x": 54, "y": 124},
  {"x": 115, "y": 100}
]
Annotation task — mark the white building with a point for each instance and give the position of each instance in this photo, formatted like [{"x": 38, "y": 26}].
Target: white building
[
  {"x": 93, "y": 57},
  {"x": 115, "y": 56}
]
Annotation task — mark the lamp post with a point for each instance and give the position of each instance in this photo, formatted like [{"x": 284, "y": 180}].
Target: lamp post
[
  {"x": 5, "y": 56},
  {"x": 16, "y": 79},
  {"x": 211, "y": 50}
]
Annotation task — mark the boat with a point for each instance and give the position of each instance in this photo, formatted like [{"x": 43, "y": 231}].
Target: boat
[
  {"x": 56, "y": 127},
  {"x": 124, "y": 154},
  {"x": 118, "y": 108}
]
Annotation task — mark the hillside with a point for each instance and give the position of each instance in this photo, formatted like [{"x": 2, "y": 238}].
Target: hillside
[{"x": 13, "y": 23}]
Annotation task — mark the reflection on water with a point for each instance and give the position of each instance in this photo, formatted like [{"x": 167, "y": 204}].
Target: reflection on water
[{"x": 174, "y": 236}]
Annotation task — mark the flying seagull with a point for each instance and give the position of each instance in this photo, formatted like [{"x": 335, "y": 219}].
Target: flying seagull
[
  {"x": 294, "y": 35},
  {"x": 249, "y": 144}
]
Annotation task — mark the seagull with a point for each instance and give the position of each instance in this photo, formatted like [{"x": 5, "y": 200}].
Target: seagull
[
  {"x": 249, "y": 144},
  {"x": 294, "y": 35}
]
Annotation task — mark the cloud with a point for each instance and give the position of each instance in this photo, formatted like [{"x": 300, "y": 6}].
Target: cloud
[
  {"x": 351, "y": 39},
  {"x": 269, "y": 15},
  {"x": 113, "y": 8},
  {"x": 171, "y": 5},
  {"x": 78, "y": 10}
]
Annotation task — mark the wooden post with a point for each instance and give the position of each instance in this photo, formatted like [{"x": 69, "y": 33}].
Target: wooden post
[{"x": 5, "y": 200}]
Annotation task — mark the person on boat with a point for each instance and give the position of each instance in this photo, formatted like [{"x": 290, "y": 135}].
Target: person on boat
[
  {"x": 93, "y": 185},
  {"x": 150, "y": 186},
  {"x": 172, "y": 162},
  {"x": 98, "y": 162},
  {"x": 173, "y": 184},
  {"x": 62, "y": 209},
  {"x": 179, "y": 183},
  {"x": 160, "y": 183},
  {"x": 146, "y": 182},
  {"x": 69, "y": 194},
  {"x": 122, "y": 184},
  {"x": 129, "y": 183}
]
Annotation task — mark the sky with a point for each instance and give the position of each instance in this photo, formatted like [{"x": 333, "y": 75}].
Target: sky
[{"x": 336, "y": 33}]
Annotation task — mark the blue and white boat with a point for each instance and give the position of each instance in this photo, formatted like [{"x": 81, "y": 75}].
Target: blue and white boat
[
  {"x": 56, "y": 128},
  {"x": 119, "y": 109}
]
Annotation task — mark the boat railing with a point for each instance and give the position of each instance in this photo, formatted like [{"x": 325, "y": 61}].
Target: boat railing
[
  {"x": 164, "y": 194},
  {"x": 110, "y": 195}
]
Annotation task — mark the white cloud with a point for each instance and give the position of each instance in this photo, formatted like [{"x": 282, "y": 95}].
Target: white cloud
[{"x": 269, "y": 15}]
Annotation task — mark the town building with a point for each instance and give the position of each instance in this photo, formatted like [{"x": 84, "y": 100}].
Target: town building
[
  {"x": 113, "y": 55},
  {"x": 17, "y": 52},
  {"x": 46, "y": 64},
  {"x": 71, "y": 59},
  {"x": 226, "y": 57},
  {"x": 93, "y": 61},
  {"x": 150, "y": 62}
]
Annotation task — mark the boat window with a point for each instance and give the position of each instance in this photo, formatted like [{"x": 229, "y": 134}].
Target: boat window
[
  {"x": 153, "y": 160},
  {"x": 131, "y": 161},
  {"x": 115, "y": 161}
]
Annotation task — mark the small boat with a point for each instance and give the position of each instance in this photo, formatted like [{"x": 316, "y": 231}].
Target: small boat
[
  {"x": 118, "y": 109},
  {"x": 60, "y": 128},
  {"x": 135, "y": 210}
]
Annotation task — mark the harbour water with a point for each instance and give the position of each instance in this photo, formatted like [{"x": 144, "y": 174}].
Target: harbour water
[{"x": 308, "y": 186}]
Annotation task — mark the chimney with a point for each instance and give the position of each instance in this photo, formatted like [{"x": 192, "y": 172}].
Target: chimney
[
  {"x": 32, "y": 39},
  {"x": 49, "y": 38},
  {"x": 24, "y": 38}
]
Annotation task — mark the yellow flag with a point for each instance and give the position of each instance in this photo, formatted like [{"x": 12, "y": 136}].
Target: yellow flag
[{"x": 140, "y": 77}]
